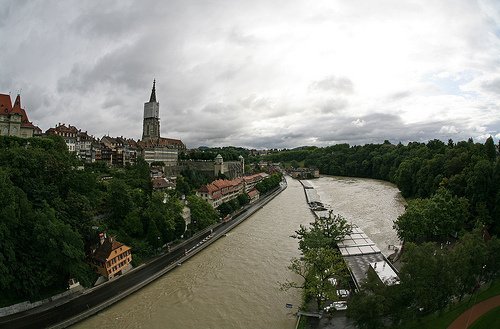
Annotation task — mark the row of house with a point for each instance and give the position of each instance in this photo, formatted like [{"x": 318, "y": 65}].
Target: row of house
[
  {"x": 224, "y": 190},
  {"x": 117, "y": 151}
]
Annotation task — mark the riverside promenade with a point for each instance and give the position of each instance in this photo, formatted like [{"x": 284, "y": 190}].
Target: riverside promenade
[{"x": 91, "y": 301}]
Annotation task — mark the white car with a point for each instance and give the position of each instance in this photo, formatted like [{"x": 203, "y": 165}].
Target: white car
[
  {"x": 343, "y": 293},
  {"x": 339, "y": 306}
]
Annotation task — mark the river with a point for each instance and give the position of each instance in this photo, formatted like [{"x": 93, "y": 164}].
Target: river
[{"x": 234, "y": 282}]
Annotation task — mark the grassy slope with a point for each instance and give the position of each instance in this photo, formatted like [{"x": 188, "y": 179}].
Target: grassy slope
[
  {"x": 488, "y": 320},
  {"x": 438, "y": 321}
]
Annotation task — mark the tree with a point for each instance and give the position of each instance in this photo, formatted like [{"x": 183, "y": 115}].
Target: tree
[
  {"x": 367, "y": 310},
  {"x": 432, "y": 219},
  {"x": 405, "y": 176},
  {"x": 426, "y": 275},
  {"x": 491, "y": 152},
  {"x": 224, "y": 209},
  {"x": 316, "y": 267},
  {"x": 133, "y": 224},
  {"x": 154, "y": 235},
  {"x": 202, "y": 213},
  {"x": 480, "y": 183},
  {"x": 467, "y": 259},
  {"x": 324, "y": 232},
  {"x": 119, "y": 202},
  {"x": 243, "y": 199}
]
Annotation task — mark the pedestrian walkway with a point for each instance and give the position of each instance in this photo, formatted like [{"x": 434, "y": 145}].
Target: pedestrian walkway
[{"x": 467, "y": 318}]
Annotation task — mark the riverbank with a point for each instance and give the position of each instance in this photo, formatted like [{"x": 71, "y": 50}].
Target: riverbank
[
  {"x": 96, "y": 299},
  {"x": 348, "y": 198}
]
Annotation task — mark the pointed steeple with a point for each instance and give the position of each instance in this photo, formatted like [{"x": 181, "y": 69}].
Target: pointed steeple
[
  {"x": 17, "y": 102},
  {"x": 16, "y": 108},
  {"x": 153, "y": 93}
]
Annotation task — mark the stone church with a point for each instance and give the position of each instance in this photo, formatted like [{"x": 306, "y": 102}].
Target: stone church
[{"x": 154, "y": 147}]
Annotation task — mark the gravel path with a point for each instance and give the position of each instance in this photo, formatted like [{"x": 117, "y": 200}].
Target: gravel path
[{"x": 467, "y": 318}]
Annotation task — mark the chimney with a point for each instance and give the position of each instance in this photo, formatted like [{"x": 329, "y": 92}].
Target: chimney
[{"x": 102, "y": 237}]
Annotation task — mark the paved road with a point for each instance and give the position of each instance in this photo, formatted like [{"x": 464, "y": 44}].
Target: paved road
[
  {"x": 32, "y": 319},
  {"x": 36, "y": 318}
]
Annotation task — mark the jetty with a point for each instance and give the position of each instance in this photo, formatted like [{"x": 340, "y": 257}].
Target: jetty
[{"x": 358, "y": 251}]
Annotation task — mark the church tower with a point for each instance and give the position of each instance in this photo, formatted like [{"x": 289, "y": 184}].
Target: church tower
[{"x": 151, "y": 123}]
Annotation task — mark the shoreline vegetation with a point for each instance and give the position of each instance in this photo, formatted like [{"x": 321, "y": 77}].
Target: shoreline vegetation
[
  {"x": 54, "y": 207},
  {"x": 61, "y": 315},
  {"x": 450, "y": 227}
]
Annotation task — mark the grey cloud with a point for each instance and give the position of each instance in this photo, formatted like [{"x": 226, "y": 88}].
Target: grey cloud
[
  {"x": 131, "y": 66},
  {"x": 492, "y": 86},
  {"x": 400, "y": 95},
  {"x": 334, "y": 84},
  {"x": 108, "y": 21},
  {"x": 333, "y": 105},
  {"x": 243, "y": 39}
]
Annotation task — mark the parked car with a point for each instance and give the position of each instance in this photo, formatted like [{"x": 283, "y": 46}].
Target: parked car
[
  {"x": 343, "y": 293},
  {"x": 338, "y": 306}
]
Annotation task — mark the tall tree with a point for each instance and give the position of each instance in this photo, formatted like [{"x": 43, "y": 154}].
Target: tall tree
[
  {"x": 202, "y": 213},
  {"x": 316, "y": 267},
  {"x": 491, "y": 152},
  {"x": 432, "y": 219},
  {"x": 324, "y": 232}
]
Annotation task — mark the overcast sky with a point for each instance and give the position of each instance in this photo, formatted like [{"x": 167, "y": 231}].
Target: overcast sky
[{"x": 259, "y": 73}]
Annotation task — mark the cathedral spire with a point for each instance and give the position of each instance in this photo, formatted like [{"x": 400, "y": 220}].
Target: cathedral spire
[{"x": 153, "y": 93}]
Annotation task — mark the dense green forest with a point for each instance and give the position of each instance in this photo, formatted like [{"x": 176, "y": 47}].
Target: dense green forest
[{"x": 52, "y": 209}]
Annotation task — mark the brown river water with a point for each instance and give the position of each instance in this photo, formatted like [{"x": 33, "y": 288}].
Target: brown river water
[{"x": 234, "y": 282}]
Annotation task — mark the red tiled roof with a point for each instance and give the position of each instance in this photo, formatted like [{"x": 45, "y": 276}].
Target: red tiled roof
[
  {"x": 220, "y": 184},
  {"x": 103, "y": 252},
  {"x": 159, "y": 183},
  {"x": 61, "y": 128},
  {"x": 159, "y": 142},
  {"x": 16, "y": 108},
  {"x": 5, "y": 104},
  {"x": 252, "y": 178},
  {"x": 7, "y": 108},
  {"x": 252, "y": 193}
]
